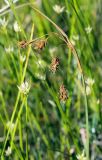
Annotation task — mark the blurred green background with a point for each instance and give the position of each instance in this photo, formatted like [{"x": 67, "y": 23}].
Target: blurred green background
[{"x": 53, "y": 127}]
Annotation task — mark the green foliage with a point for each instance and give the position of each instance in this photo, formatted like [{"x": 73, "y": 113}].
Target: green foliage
[{"x": 35, "y": 123}]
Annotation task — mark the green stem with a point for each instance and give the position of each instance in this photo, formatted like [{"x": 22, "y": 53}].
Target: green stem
[
  {"x": 16, "y": 123},
  {"x": 20, "y": 135},
  {"x": 4, "y": 107},
  {"x": 86, "y": 117},
  {"x": 26, "y": 130}
]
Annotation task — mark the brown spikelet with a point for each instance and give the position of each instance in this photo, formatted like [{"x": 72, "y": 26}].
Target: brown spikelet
[
  {"x": 40, "y": 44},
  {"x": 63, "y": 93},
  {"x": 22, "y": 44},
  {"x": 54, "y": 64}
]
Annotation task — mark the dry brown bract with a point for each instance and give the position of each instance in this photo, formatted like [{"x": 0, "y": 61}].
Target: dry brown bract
[
  {"x": 39, "y": 45},
  {"x": 22, "y": 44},
  {"x": 54, "y": 64},
  {"x": 63, "y": 93}
]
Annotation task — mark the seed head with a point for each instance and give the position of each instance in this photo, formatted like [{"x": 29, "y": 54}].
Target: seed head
[
  {"x": 54, "y": 64},
  {"x": 22, "y": 44},
  {"x": 63, "y": 93},
  {"x": 39, "y": 45}
]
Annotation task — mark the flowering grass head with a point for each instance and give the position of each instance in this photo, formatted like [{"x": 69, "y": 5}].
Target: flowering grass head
[
  {"x": 3, "y": 22},
  {"x": 9, "y": 49},
  {"x": 10, "y": 126},
  {"x": 24, "y": 88},
  {"x": 8, "y": 152},
  {"x": 16, "y": 27},
  {"x": 58, "y": 9},
  {"x": 81, "y": 156},
  {"x": 89, "y": 83},
  {"x": 22, "y": 58},
  {"x": 88, "y": 29}
]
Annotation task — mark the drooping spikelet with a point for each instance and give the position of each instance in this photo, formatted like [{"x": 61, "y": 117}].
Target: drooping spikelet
[
  {"x": 22, "y": 44},
  {"x": 40, "y": 44},
  {"x": 63, "y": 93},
  {"x": 54, "y": 64}
]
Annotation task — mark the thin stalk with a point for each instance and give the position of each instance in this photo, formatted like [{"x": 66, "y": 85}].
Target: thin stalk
[
  {"x": 18, "y": 152},
  {"x": 7, "y": 10},
  {"x": 26, "y": 129},
  {"x": 28, "y": 54},
  {"x": 32, "y": 118},
  {"x": 86, "y": 117},
  {"x": 20, "y": 135},
  {"x": 4, "y": 107},
  {"x": 13, "y": 60},
  {"x": 2, "y": 120},
  {"x": 16, "y": 123}
]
